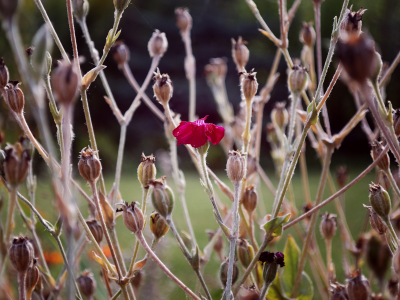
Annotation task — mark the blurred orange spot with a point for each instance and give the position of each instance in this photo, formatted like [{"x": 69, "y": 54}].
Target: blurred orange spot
[{"x": 53, "y": 258}]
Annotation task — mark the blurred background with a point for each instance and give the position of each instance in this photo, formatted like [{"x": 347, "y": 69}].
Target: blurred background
[{"x": 214, "y": 24}]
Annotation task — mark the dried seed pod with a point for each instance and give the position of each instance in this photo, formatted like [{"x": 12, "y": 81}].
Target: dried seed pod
[
  {"x": 183, "y": 19},
  {"x": 338, "y": 292},
  {"x": 87, "y": 284},
  {"x": 108, "y": 211},
  {"x": 14, "y": 97},
  {"x": 4, "y": 75},
  {"x": 272, "y": 137},
  {"x": 297, "y": 79},
  {"x": 235, "y": 166},
  {"x": 248, "y": 85},
  {"x": 89, "y": 165},
  {"x": 21, "y": 253},
  {"x": 378, "y": 256},
  {"x": 147, "y": 169},
  {"x": 376, "y": 222},
  {"x": 376, "y": 149},
  {"x": 358, "y": 287},
  {"x": 137, "y": 281},
  {"x": 65, "y": 82},
  {"x": 81, "y": 9},
  {"x": 240, "y": 53},
  {"x": 245, "y": 252},
  {"x": 121, "y": 5},
  {"x": 351, "y": 23},
  {"x": 328, "y": 225},
  {"x": 163, "y": 87},
  {"x": 158, "y": 226},
  {"x": 251, "y": 165},
  {"x": 396, "y": 120},
  {"x": 96, "y": 230},
  {"x": 342, "y": 175},
  {"x": 162, "y": 197},
  {"x": 393, "y": 286},
  {"x": 133, "y": 216},
  {"x": 158, "y": 44},
  {"x": 121, "y": 53},
  {"x": 16, "y": 164},
  {"x": 307, "y": 34},
  {"x": 279, "y": 115},
  {"x": 223, "y": 272},
  {"x": 249, "y": 199},
  {"x": 32, "y": 278},
  {"x": 380, "y": 200},
  {"x": 216, "y": 69},
  {"x": 8, "y": 8}
]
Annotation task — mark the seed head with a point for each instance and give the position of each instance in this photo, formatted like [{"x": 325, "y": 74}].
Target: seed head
[
  {"x": 133, "y": 216},
  {"x": 147, "y": 169},
  {"x": 216, "y": 69},
  {"x": 396, "y": 122},
  {"x": 240, "y": 53},
  {"x": 223, "y": 272},
  {"x": 14, "y": 97},
  {"x": 163, "y": 87},
  {"x": 4, "y": 75},
  {"x": 120, "y": 53},
  {"x": 121, "y": 5},
  {"x": 81, "y": 9},
  {"x": 158, "y": 226},
  {"x": 342, "y": 175},
  {"x": 358, "y": 57},
  {"x": 87, "y": 284},
  {"x": 16, "y": 164},
  {"x": 328, "y": 226},
  {"x": 279, "y": 115},
  {"x": 376, "y": 222},
  {"x": 380, "y": 200},
  {"x": 248, "y": 85},
  {"x": 96, "y": 230},
  {"x": 378, "y": 256},
  {"x": 376, "y": 149},
  {"x": 235, "y": 166},
  {"x": 162, "y": 197},
  {"x": 307, "y": 34},
  {"x": 89, "y": 165},
  {"x": 32, "y": 278},
  {"x": 351, "y": 23},
  {"x": 158, "y": 44},
  {"x": 358, "y": 287},
  {"x": 250, "y": 199},
  {"x": 183, "y": 19},
  {"x": 21, "y": 253},
  {"x": 108, "y": 211},
  {"x": 338, "y": 292},
  {"x": 8, "y": 8},
  {"x": 245, "y": 252},
  {"x": 65, "y": 82},
  {"x": 272, "y": 137},
  {"x": 297, "y": 79}
]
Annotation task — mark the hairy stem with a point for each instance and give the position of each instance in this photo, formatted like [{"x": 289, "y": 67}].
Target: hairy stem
[
  {"x": 10, "y": 214},
  {"x": 21, "y": 285}
]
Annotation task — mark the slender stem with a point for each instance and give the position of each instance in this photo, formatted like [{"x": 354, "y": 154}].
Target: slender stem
[
  {"x": 10, "y": 214},
  {"x": 317, "y": 14},
  {"x": 264, "y": 290},
  {"x": 233, "y": 238},
  {"x": 293, "y": 116},
  {"x": 190, "y": 69},
  {"x": 321, "y": 187},
  {"x": 140, "y": 237},
  {"x": 252, "y": 237},
  {"x": 120, "y": 158},
  {"x": 21, "y": 285},
  {"x": 392, "y": 182},
  {"x": 389, "y": 71},
  {"x": 329, "y": 263},
  {"x": 107, "y": 47}
]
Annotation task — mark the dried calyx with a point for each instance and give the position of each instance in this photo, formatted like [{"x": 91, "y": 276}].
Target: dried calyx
[
  {"x": 147, "y": 169},
  {"x": 89, "y": 165},
  {"x": 96, "y": 230},
  {"x": 158, "y": 44},
  {"x": 342, "y": 175},
  {"x": 328, "y": 225},
  {"x": 240, "y": 53},
  {"x": 81, "y": 9},
  {"x": 338, "y": 291},
  {"x": 351, "y": 23},
  {"x": 250, "y": 199},
  {"x": 183, "y": 19},
  {"x": 235, "y": 166},
  {"x": 215, "y": 71},
  {"x": 14, "y": 97},
  {"x": 297, "y": 79},
  {"x": 376, "y": 149},
  {"x": 21, "y": 254},
  {"x": 280, "y": 115},
  {"x": 87, "y": 284},
  {"x": 65, "y": 82},
  {"x": 133, "y": 216},
  {"x": 248, "y": 85},
  {"x": 158, "y": 226},
  {"x": 32, "y": 278},
  {"x": 380, "y": 201},
  {"x": 307, "y": 34},
  {"x": 245, "y": 252},
  {"x": 162, "y": 197},
  {"x": 16, "y": 164},
  {"x": 120, "y": 53},
  {"x": 223, "y": 272},
  {"x": 376, "y": 222},
  {"x": 358, "y": 286},
  {"x": 163, "y": 87},
  {"x": 4, "y": 75}
]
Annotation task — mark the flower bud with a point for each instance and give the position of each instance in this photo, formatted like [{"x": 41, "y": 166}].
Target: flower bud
[
  {"x": 240, "y": 53},
  {"x": 351, "y": 23},
  {"x": 121, "y": 5},
  {"x": 245, "y": 252},
  {"x": 65, "y": 82},
  {"x": 158, "y": 226},
  {"x": 248, "y": 85},
  {"x": 183, "y": 19},
  {"x": 396, "y": 120},
  {"x": 376, "y": 221},
  {"x": 279, "y": 115},
  {"x": 223, "y": 272},
  {"x": 147, "y": 169},
  {"x": 80, "y": 8},
  {"x": 163, "y": 87},
  {"x": 32, "y": 278},
  {"x": 14, "y": 97},
  {"x": 307, "y": 34},
  {"x": 358, "y": 287},
  {"x": 120, "y": 53},
  {"x": 328, "y": 226},
  {"x": 158, "y": 44},
  {"x": 338, "y": 292},
  {"x": 89, "y": 165},
  {"x": 21, "y": 253},
  {"x": 342, "y": 175},
  {"x": 235, "y": 166},
  {"x": 358, "y": 57},
  {"x": 87, "y": 284},
  {"x": 380, "y": 200},
  {"x": 249, "y": 199},
  {"x": 96, "y": 230},
  {"x": 297, "y": 79},
  {"x": 16, "y": 164},
  {"x": 8, "y": 8},
  {"x": 269, "y": 272},
  {"x": 376, "y": 149},
  {"x": 162, "y": 197},
  {"x": 133, "y": 216},
  {"x": 4, "y": 75}
]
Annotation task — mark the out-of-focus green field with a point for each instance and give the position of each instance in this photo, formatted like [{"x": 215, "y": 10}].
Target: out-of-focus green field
[{"x": 156, "y": 285}]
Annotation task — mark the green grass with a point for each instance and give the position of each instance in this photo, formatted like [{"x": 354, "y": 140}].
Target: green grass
[{"x": 200, "y": 210}]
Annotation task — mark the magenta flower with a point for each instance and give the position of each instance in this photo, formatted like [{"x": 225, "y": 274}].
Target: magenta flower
[{"x": 198, "y": 132}]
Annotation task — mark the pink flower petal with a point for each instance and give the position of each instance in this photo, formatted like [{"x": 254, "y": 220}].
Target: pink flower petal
[{"x": 214, "y": 133}]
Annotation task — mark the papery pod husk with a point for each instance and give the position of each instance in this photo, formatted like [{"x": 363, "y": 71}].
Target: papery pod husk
[
  {"x": 378, "y": 256},
  {"x": 108, "y": 211}
]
